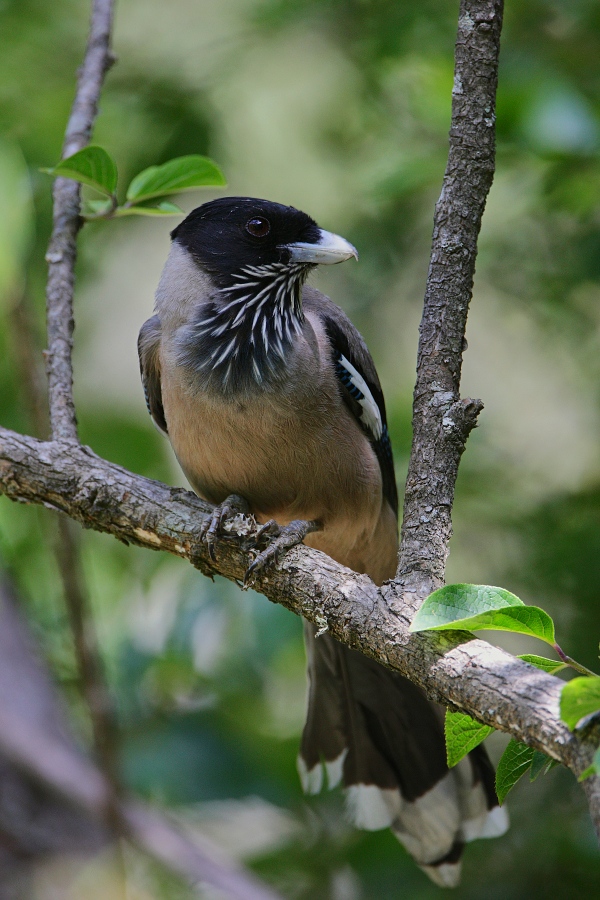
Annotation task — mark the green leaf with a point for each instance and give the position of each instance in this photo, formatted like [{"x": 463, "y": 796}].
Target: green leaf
[
  {"x": 456, "y": 602},
  {"x": 463, "y": 734},
  {"x": 579, "y": 698},
  {"x": 92, "y": 166},
  {"x": 176, "y": 175},
  {"x": 478, "y": 607},
  {"x": 528, "y": 620},
  {"x": 164, "y": 208},
  {"x": 594, "y": 769},
  {"x": 514, "y": 762},
  {"x": 540, "y": 662},
  {"x": 539, "y": 762}
]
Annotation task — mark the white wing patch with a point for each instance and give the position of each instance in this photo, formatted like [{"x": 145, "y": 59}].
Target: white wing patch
[{"x": 370, "y": 416}]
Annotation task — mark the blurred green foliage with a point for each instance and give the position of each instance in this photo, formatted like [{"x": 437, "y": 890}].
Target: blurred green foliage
[{"x": 340, "y": 107}]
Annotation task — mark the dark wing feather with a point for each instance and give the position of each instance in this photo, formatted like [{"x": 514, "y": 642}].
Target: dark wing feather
[
  {"x": 359, "y": 385},
  {"x": 148, "y": 351}
]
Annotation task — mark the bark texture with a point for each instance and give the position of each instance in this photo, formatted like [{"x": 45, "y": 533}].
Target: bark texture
[
  {"x": 471, "y": 675},
  {"x": 62, "y": 250},
  {"x": 442, "y": 421}
]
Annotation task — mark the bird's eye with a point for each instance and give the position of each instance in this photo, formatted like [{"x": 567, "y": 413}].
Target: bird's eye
[{"x": 258, "y": 226}]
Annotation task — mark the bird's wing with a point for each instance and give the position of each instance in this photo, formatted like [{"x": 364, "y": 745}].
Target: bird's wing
[
  {"x": 148, "y": 351},
  {"x": 359, "y": 385}
]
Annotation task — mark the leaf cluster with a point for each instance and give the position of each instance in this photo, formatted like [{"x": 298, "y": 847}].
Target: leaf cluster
[
  {"x": 96, "y": 168},
  {"x": 479, "y": 607}
]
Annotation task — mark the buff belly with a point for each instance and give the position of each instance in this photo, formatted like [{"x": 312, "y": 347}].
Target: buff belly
[{"x": 274, "y": 456}]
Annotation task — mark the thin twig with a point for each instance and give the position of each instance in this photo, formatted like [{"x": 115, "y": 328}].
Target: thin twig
[
  {"x": 87, "y": 653},
  {"x": 61, "y": 259},
  {"x": 441, "y": 420},
  {"x": 62, "y": 250},
  {"x": 569, "y": 661},
  {"x": 66, "y": 545}
]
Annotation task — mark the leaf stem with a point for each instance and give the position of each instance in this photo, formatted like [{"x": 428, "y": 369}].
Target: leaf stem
[
  {"x": 108, "y": 213},
  {"x": 573, "y": 663}
]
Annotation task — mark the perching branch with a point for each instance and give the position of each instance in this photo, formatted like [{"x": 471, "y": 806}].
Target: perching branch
[
  {"x": 476, "y": 677},
  {"x": 62, "y": 250},
  {"x": 442, "y": 421}
]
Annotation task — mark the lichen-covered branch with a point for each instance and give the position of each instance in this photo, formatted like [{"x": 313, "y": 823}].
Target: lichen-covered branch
[
  {"x": 476, "y": 677},
  {"x": 62, "y": 250},
  {"x": 442, "y": 421}
]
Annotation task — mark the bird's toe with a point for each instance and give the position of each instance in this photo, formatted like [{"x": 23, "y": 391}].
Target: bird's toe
[
  {"x": 284, "y": 538},
  {"x": 232, "y": 506}
]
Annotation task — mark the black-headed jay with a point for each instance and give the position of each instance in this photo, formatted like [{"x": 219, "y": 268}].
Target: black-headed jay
[{"x": 272, "y": 404}]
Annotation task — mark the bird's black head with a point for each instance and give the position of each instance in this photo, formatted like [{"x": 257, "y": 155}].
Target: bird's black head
[
  {"x": 226, "y": 235},
  {"x": 258, "y": 255}
]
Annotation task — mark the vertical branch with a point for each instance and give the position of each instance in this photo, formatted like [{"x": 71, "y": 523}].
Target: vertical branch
[
  {"x": 66, "y": 546},
  {"x": 87, "y": 654},
  {"x": 61, "y": 257},
  {"x": 62, "y": 250},
  {"x": 441, "y": 420}
]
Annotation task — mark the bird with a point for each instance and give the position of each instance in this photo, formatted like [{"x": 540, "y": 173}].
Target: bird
[{"x": 273, "y": 406}]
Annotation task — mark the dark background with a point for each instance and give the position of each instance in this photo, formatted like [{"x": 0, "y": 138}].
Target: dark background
[{"x": 342, "y": 109}]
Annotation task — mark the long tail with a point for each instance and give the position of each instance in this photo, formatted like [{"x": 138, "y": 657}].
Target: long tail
[{"x": 376, "y": 733}]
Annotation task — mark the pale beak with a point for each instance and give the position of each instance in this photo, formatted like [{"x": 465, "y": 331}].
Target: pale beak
[{"x": 329, "y": 249}]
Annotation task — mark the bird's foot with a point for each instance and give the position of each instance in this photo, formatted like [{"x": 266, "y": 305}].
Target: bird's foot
[
  {"x": 283, "y": 538},
  {"x": 232, "y": 506}
]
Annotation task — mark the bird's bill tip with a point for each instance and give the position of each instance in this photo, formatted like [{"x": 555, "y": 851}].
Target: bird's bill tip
[{"x": 328, "y": 250}]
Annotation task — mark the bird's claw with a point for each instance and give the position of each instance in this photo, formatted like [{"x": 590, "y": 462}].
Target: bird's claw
[
  {"x": 278, "y": 538},
  {"x": 269, "y": 530},
  {"x": 232, "y": 506},
  {"x": 283, "y": 539}
]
